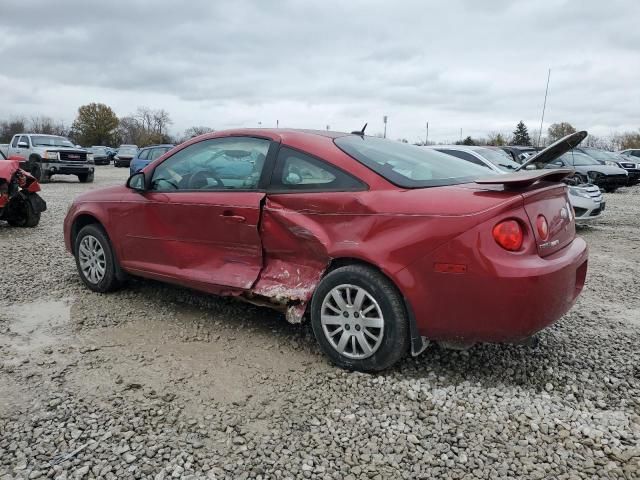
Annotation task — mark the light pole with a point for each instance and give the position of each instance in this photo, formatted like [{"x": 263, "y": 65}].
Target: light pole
[{"x": 384, "y": 119}]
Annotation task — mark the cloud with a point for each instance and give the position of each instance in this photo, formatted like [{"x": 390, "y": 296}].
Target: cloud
[{"x": 479, "y": 66}]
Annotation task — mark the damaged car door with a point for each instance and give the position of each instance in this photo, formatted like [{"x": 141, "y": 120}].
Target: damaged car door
[{"x": 200, "y": 215}]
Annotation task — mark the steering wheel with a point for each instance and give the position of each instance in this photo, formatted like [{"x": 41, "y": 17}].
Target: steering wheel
[{"x": 199, "y": 179}]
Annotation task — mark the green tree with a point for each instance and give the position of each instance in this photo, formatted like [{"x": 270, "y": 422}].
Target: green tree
[
  {"x": 521, "y": 135},
  {"x": 558, "y": 130},
  {"x": 496, "y": 139},
  {"x": 96, "y": 124},
  {"x": 466, "y": 141}
]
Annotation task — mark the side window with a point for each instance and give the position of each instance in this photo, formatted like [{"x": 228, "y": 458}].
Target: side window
[
  {"x": 25, "y": 139},
  {"x": 635, "y": 153},
  {"x": 143, "y": 155},
  {"x": 215, "y": 164},
  {"x": 15, "y": 141},
  {"x": 465, "y": 156},
  {"x": 156, "y": 152},
  {"x": 298, "y": 171}
]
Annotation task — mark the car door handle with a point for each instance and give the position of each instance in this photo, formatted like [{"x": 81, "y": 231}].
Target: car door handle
[{"x": 229, "y": 216}]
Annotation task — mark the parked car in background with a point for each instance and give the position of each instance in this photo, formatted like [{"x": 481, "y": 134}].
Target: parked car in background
[
  {"x": 100, "y": 155},
  {"x": 607, "y": 177},
  {"x": 615, "y": 160},
  {"x": 4, "y": 149},
  {"x": 48, "y": 155},
  {"x": 373, "y": 239},
  {"x": 147, "y": 155},
  {"x": 20, "y": 204},
  {"x": 585, "y": 198},
  {"x": 519, "y": 153},
  {"x": 631, "y": 152},
  {"x": 494, "y": 159},
  {"x": 124, "y": 155}
]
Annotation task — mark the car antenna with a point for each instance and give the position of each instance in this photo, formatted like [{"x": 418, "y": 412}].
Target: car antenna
[{"x": 360, "y": 132}]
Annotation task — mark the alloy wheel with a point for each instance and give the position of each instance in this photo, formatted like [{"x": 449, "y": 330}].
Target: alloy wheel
[
  {"x": 352, "y": 321},
  {"x": 92, "y": 259}
]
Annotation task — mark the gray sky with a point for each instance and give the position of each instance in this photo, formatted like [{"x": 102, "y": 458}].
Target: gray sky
[{"x": 476, "y": 65}]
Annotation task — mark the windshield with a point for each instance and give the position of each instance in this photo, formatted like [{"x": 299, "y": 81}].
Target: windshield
[
  {"x": 498, "y": 158},
  {"x": 127, "y": 151},
  {"x": 98, "y": 150},
  {"x": 50, "y": 141},
  {"x": 578, "y": 159},
  {"x": 409, "y": 166}
]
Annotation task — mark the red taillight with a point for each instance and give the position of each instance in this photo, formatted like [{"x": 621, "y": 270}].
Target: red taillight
[
  {"x": 543, "y": 227},
  {"x": 509, "y": 235}
]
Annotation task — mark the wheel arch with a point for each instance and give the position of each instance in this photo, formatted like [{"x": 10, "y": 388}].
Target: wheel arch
[
  {"x": 87, "y": 218},
  {"x": 81, "y": 221},
  {"x": 418, "y": 343}
]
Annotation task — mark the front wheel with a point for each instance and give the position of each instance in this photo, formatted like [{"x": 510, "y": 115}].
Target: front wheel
[
  {"x": 359, "y": 319},
  {"x": 85, "y": 177},
  {"x": 39, "y": 174},
  {"x": 95, "y": 259},
  {"x": 22, "y": 214}
]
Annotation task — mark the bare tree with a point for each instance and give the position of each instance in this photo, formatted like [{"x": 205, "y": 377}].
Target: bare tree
[
  {"x": 47, "y": 126},
  {"x": 195, "y": 132},
  {"x": 8, "y": 128}
]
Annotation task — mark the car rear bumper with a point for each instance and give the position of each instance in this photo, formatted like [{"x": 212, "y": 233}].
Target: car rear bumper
[
  {"x": 494, "y": 301},
  {"x": 122, "y": 162}
]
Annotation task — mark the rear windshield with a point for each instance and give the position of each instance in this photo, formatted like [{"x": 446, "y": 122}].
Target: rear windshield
[
  {"x": 499, "y": 158},
  {"x": 409, "y": 166},
  {"x": 579, "y": 159}
]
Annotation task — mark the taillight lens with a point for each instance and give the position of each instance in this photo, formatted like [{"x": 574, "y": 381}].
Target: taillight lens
[
  {"x": 509, "y": 235},
  {"x": 543, "y": 227}
]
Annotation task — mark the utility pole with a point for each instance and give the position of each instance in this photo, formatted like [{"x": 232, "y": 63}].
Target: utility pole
[
  {"x": 461, "y": 134},
  {"x": 384, "y": 119},
  {"x": 277, "y": 123},
  {"x": 426, "y": 140},
  {"x": 544, "y": 107}
]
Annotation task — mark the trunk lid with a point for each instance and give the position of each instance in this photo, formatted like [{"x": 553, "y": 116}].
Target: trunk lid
[
  {"x": 553, "y": 203},
  {"x": 554, "y": 150}
]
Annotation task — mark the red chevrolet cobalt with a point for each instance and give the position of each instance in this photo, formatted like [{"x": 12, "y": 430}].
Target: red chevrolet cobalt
[{"x": 382, "y": 245}]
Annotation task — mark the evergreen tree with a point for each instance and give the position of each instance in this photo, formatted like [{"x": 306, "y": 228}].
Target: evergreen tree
[{"x": 521, "y": 135}]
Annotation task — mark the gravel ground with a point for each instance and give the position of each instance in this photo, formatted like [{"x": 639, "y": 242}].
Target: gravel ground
[{"x": 160, "y": 382}]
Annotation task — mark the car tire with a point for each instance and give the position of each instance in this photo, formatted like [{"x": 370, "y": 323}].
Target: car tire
[
  {"x": 22, "y": 214},
  {"x": 380, "y": 303},
  {"x": 85, "y": 177},
  {"x": 92, "y": 249},
  {"x": 37, "y": 173}
]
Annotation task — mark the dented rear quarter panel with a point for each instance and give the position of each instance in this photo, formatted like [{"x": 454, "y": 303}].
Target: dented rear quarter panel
[{"x": 303, "y": 233}]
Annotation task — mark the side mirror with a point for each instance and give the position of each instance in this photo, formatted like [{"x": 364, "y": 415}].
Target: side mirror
[
  {"x": 23, "y": 145},
  {"x": 137, "y": 182}
]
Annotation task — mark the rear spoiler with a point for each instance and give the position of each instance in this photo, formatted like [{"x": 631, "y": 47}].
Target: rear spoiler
[{"x": 526, "y": 178}]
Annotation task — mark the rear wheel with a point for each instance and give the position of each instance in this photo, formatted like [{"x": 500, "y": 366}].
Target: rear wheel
[
  {"x": 359, "y": 320},
  {"x": 95, "y": 259}
]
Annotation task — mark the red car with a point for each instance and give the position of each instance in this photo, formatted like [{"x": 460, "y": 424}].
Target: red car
[
  {"x": 20, "y": 204},
  {"x": 383, "y": 245}
]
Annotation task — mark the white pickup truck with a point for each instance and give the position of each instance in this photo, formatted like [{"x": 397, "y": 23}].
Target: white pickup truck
[{"x": 48, "y": 155}]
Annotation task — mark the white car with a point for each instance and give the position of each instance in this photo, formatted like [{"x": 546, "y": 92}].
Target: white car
[{"x": 586, "y": 199}]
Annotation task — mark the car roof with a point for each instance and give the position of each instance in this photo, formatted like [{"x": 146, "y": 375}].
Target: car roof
[
  {"x": 464, "y": 148},
  {"x": 282, "y": 133},
  {"x": 158, "y": 145},
  {"x": 41, "y": 135}
]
